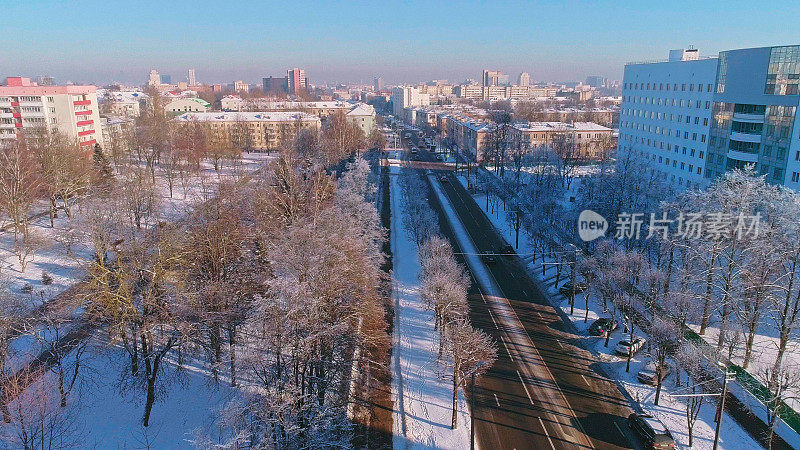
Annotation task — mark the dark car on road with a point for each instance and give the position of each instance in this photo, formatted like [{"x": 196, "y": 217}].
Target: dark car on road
[
  {"x": 443, "y": 178},
  {"x": 508, "y": 250},
  {"x": 566, "y": 288},
  {"x": 650, "y": 430},
  {"x": 602, "y": 326}
]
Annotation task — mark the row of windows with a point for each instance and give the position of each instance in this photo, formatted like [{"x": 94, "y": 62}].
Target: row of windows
[
  {"x": 666, "y": 86},
  {"x": 663, "y": 131},
  {"x": 677, "y": 149},
  {"x": 666, "y": 102},
  {"x": 663, "y": 116}
]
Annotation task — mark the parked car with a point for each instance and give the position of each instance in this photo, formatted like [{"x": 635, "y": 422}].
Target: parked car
[
  {"x": 488, "y": 257},
  {"x": 566, "y": 288},
  {"x": 414, "y": 150},
  {"x": 649, "y": 429},
  {"x": 602, "y": 326},
  {"x": 648, "y": 374},
  {"x": 439, "y": 158},
  {"x": 626, "y": 347}
]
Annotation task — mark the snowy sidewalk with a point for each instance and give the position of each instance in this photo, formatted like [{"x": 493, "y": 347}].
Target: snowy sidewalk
[{"x": 422, "y": 412}]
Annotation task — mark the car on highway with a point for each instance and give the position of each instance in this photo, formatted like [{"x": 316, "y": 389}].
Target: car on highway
[
  {"x": 508, "y": 250},
  {"x": 651, "y": 430},
  {"x": 602, "y": 326},
  {"x": 414, "y": 149},
  {"x": 648, "y": 374},
  {"x": 627, "y": 348},
  {"x": 488, "y": 257},
  {"x": 566, "y": 288},
  {"x": 439, "y": 158},
  {"x": 443, "y": 178}
]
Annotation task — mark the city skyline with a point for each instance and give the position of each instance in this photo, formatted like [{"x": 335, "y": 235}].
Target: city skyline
[{"x": 338, "y": 43}]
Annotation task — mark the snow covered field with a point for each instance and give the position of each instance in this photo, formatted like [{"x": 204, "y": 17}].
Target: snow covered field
[
  {"x": 105, "y": 412},
  {"x": 422, "y": 400},
  {"x": 65, "y": 267},
  {"x": 671, "y": 410}
]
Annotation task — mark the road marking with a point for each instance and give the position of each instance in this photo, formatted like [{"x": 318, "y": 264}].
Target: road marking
[
  {"x": 547, "y": 434},
  {"x": 509, "y": 353},
  {"x": 585, "y": 380},
  {"x": 498, "y": 402},
  {"x": 619, "y": 429},
  {"x": 525, "y": 387}
]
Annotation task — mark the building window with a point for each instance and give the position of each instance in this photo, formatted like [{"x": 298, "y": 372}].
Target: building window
[{"x": 795, "y": 177}]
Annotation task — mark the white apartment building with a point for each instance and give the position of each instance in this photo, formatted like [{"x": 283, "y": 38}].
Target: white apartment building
[
  {"x": 666, "y": 114},
  {"x": 72, "y": 110},
  {"x": 407, "y": 97},
  {"x": 695, "y": 118}
]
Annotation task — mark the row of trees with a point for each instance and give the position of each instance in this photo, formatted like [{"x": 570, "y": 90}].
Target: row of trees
[
  {"x": 464, "y": 351},
  {"x": 735, "y": 274}
]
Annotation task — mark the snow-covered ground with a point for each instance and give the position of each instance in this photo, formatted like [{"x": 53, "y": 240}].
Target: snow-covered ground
[
  {"x": 671, "y": 410},
  {"x": 103, "y": 412},
  {"x": 422, "y": 412},
  {"x": 64, "y": 267}
]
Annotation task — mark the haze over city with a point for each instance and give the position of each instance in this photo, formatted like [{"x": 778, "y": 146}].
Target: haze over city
[{"x": 351, "y": 41}]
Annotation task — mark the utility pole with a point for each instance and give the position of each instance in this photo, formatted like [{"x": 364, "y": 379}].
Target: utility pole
[
  {"x": 721, "y": 408},
  {"x": 472, "y": 414}
]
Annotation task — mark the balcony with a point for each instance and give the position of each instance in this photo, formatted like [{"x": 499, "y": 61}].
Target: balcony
[
  {"x": 745, "y": 137},
  {"x": 742, "y": 156},
  {"x": 83, "y": 113},
  {"x": 750, "y": 118},
  {"x": 82, "y": 102}
]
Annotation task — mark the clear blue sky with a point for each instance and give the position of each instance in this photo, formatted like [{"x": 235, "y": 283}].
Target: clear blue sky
[{"x": 100, "y": 41}]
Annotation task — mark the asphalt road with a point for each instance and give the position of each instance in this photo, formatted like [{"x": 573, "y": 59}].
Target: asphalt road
[{"x": 543, "y": 391}]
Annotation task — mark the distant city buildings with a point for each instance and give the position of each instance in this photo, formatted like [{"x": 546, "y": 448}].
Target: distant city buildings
[
  {"x": 696, "y": 117},
  {"x": 240, "y": 86},
  {"x": 524, "y": 79},
  {"x": 188, "y": 104},
  {"x": 267, "y": 130},
  {"x": 191, "y": 78},
  {"x": 296, "y": 81},
  {"x": 494, "y": 78},
  {"x": 407, "y": 97},
  {"x": 72, "y": 110},
  {"x": 378, "y": 84}
]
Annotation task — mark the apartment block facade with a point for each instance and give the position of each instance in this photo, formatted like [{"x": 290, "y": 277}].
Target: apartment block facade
[
  {"x": 268, "y": 129},
  {"x": 72, "y": 110},
  {"x": 694, "y": 118}
]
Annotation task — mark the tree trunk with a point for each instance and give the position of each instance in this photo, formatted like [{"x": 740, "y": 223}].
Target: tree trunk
[
  {"x": 232, "y": 350},
  {"x": 455, "y": 401}
]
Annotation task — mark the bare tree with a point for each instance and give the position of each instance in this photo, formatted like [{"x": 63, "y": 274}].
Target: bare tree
[
  {"x": 469, "y": 352},
  {"x": 663, "y": 340}
]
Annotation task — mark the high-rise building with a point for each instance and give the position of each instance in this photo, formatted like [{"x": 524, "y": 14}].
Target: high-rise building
[
  {"x": 407, "y": 97},
  {"x": 524, "y": 79},
  {"x": 595, "y": 81},
  {"x": 241, "y": 86},
  {"x": 695, "y": 118},
  {"x": 296, "y": 80},
  {"x": 45, "y": 80},
  {"x": 493, "y": 78},
  {"x": 72, "y": 110},
  {"x": 379, "y": 84},
  {"x": 192, "y": 79},
  {"x": 274, "y": 85},
  {"x": 155, "y": 78}
]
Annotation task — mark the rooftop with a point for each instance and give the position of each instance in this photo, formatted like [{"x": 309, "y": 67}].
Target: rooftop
[{"x": 272, "y": 116}]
